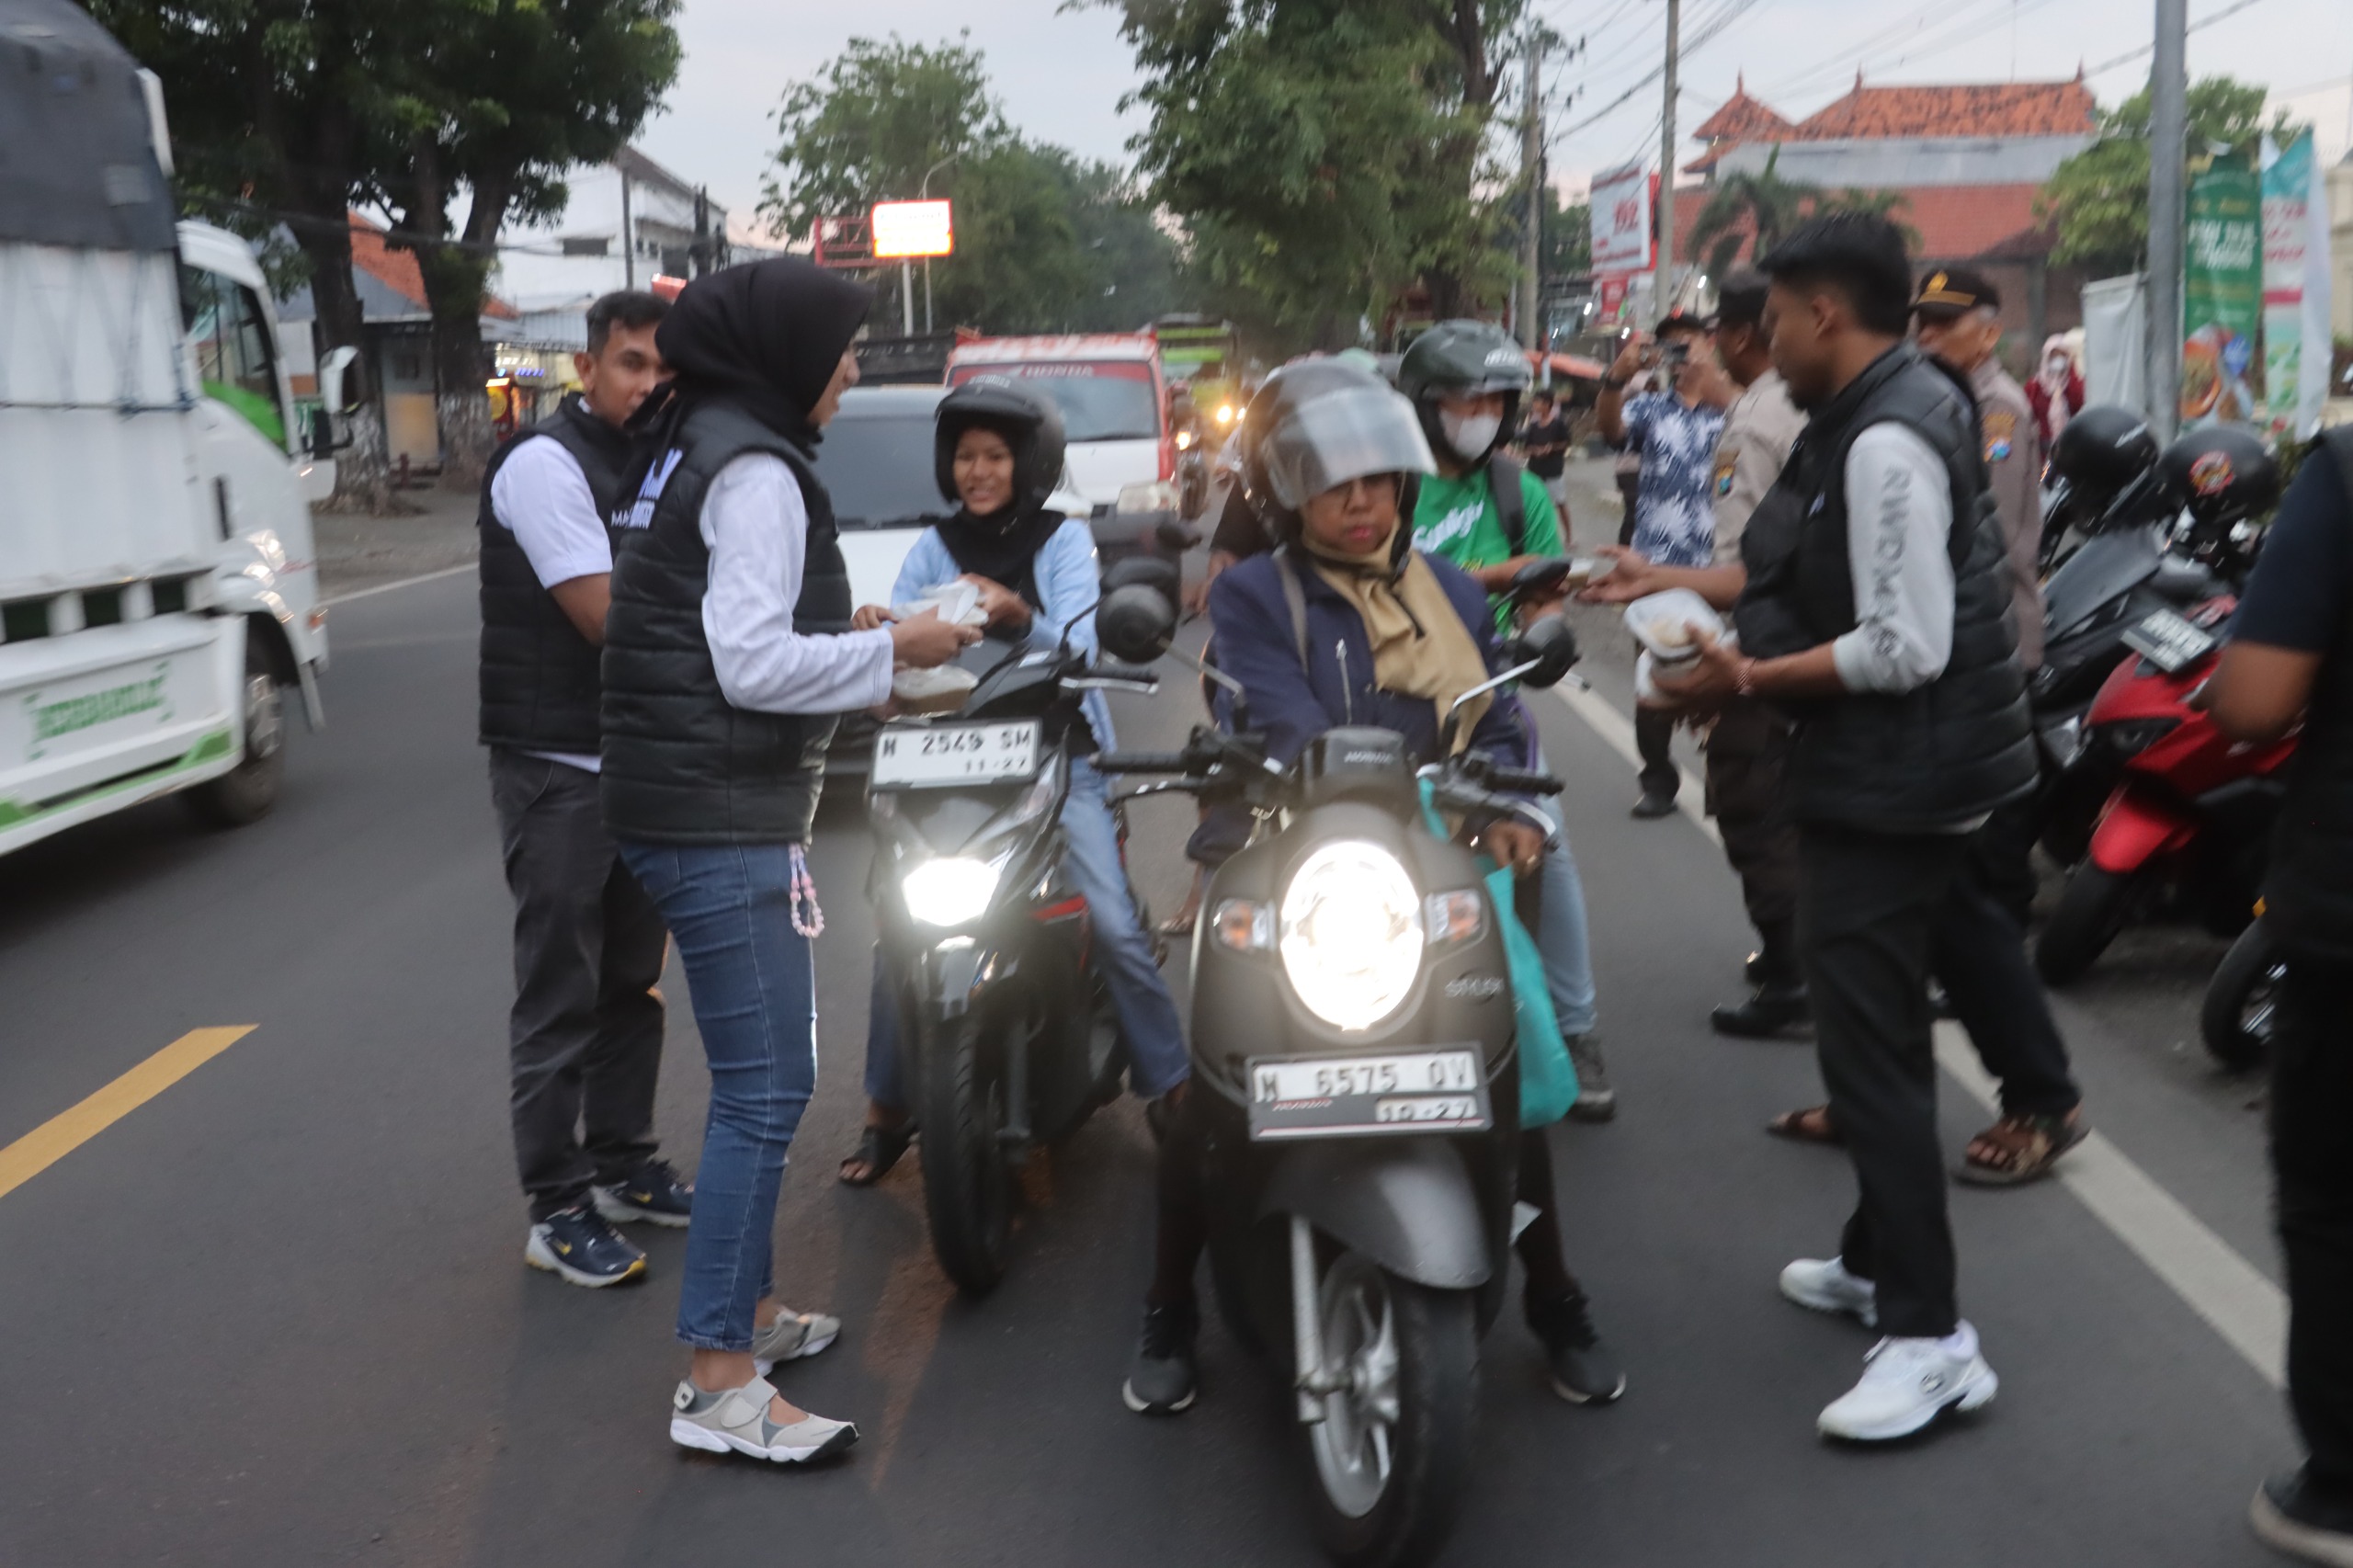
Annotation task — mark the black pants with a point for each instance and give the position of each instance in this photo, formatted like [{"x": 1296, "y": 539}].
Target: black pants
[
  {"x": 2312, "y": 1155},
  {"x": 1654, "y": 736},
  {"x": 1977, "y": 950},
  {"x": 1876, "y": 912},
  {"x": 584, "y": 1036},
  {"x": 1748, "y": 752},
  {"x": 1630, "y": 490}
]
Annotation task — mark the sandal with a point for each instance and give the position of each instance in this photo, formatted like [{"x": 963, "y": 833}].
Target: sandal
[
  {"x": 1811, "y": 1125},
  {"x": 2019, "y": 1149},
  {"x": 878, "y": 1150}
]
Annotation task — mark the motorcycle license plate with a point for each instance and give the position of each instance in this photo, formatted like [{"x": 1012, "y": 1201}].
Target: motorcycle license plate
[
  {"x": 2168, "y": 641},
  {"x": 930, "y": 757},
  {"x": 1349, "y": 1096}
]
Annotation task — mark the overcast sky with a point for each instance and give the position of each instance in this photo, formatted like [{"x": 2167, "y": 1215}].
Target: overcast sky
[{"x": 1060, "y": 75}]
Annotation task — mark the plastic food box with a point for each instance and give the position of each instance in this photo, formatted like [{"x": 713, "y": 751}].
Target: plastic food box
[{"x": 1668, "y": 624}]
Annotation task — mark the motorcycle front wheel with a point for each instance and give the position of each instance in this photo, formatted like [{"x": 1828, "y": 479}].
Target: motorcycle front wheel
[
  {"x": 1392, "y": 1455},
  {"x": 967, "y": 1182},
  {"x": 2093, "y": 908},
  {"x": 2243, "y": 999}
]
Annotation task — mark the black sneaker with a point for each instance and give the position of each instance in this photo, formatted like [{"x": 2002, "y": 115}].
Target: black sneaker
[
  {"x": 1771, "y": 1010},
  {"x": 2290, "y": 1516},
  {"x": 1161, "y": 1381},
  {"x": 1653, "y": 805},
  {"x": 654, "y": 1195},
  {"x": 1584, "y": 1372},
  {"x": 576, "y": 1244}
]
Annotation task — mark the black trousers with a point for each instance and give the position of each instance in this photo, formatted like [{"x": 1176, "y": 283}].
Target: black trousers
[
  {"x": 2312, "y": 1156},
  {"x": 584, "y": 1035},
  {"x": 1654, "y": 735},
  {"x": 1977, "y": 950},
  {"x": 1748, "y": 752},
  {"x": 1876, "y": 912}
]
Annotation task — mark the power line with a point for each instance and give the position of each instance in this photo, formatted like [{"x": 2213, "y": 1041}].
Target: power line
[
  {"x": 1729, "y": 13},
  {"x": 1952, "y": 25},
  {"x": 2127, "y": 57}
]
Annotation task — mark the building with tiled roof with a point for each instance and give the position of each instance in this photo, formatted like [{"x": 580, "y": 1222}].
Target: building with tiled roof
[{"x": 1968, "y": 159}]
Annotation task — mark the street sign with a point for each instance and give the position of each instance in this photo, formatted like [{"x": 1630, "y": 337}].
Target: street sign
[
  {"x": 906, "y": 229},
  {"x": 1622, "y": 219}
]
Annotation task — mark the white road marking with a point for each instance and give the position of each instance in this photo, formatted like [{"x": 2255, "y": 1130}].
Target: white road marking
[
  {"x": 398, "y": 583},
  {"x": 2234, "y": 1298}
]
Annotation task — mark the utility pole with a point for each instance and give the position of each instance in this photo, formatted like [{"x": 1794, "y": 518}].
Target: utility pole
[
  {"x": 700, "y": 257},
  {"x": 1531, "y": 166},
  {"x": 629, "y": 233},
  {"x": 1664, "y": 296},
  {"x": 906, "y": 297},
  {"x": 2169, "y": 139}
]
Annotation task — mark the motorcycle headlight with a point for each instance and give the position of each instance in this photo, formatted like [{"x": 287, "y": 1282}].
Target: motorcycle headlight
[
  {"x": 1351, "y": 933},
  {"x": 2131, "y": 737},
  {"x": 953, "y": 889}
]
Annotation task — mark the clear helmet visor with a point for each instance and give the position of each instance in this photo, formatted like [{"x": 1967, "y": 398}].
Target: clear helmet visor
[{"x": 1349, "y": 433}]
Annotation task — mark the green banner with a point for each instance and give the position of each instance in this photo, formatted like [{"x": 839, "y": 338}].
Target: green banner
[{"x": 2222, "y": 294}]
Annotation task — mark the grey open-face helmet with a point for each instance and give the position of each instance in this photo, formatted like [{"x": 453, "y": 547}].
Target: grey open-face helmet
[
  {"x": 1464, "y": 359},
  {"x": 1317, "y": 424}
]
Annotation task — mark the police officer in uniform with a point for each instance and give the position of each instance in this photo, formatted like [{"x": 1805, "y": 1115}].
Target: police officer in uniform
[
  {"x": 584, "y": 1035},
  {"x": 1876, "y": 614}
]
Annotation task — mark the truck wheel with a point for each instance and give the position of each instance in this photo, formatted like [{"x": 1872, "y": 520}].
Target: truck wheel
[
  {"x": 1391, "y": 1456},
  {"x": 2092, "y": 910},
  {"x": 2243, "y": 1000},
  {"x": 968, "y": 1186},
  {"x": 246, "y": 793}
]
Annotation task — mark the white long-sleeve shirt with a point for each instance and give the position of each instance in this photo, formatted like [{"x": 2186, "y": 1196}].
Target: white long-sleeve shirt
[
  {"x": 1899, "y": 522},
  {"x": 756, "y": 526}
]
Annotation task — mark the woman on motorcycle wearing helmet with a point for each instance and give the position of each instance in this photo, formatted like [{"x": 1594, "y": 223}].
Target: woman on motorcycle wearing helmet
[
  {"x": 1348, "y": 623},
  {"x": 997, "y": 453}
]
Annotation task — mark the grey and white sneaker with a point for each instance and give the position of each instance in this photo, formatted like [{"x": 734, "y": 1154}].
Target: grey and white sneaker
[
  {"x": 1823, "y": 1285},
  {"x": 1596, "y": 1101},
  {"x": 1908, "y": 1383},
  {"x": 792, "y": 1336},
  {"x": 737, "y": 1420}
]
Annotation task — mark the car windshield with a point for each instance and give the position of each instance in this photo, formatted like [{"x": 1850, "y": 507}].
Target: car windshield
[
  {"x": 878, "y": 470},
  {"x": 1110, "y": 401}
]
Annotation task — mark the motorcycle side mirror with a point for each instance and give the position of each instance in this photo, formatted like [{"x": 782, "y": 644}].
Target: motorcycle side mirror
[
  {"x": 1538, "y": 579},
  {"x": 1549, "y": 647},
  {"x": 1145, "y": 570},
  {"x": 1135, "y": 623}
]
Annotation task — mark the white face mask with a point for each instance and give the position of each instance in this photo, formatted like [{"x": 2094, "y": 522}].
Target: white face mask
[{"x": 1470, "y": 433}]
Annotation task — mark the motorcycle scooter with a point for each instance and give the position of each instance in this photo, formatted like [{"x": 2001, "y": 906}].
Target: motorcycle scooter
[
  {"x": 2193, "y": 813},
  {"x": 1355, "y": 1059},
  {"x": 1007, "y": 1039}
]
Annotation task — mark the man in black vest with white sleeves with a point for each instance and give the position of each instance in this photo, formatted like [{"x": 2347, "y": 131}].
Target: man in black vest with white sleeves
[
  {"x": 585, "y": 1031},
  {"x": 1877, "y": 616}
]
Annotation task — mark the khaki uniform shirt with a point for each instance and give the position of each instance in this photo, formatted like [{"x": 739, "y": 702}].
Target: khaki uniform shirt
[
  {"x": 1759, "y": 429},
  {"x": 2014, "y": 461}
]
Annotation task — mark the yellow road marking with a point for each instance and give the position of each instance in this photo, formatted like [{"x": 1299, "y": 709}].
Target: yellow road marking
[{"x": 76, "y": 1125}]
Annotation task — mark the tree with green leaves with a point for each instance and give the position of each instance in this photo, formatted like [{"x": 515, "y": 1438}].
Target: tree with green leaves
[
  {"x": 1760, "y": 210},
  {"x": 1045, "y": 241},
  {"x": 498, "y": 98},
  {"x": 1329, "y": 156},
  {"x": 2099, "y": 198}
]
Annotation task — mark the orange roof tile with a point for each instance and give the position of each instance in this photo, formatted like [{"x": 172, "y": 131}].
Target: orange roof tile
[
  {"x": 397, "y": 269},
  {"x": 1993, "y": 108},
  {"x": 1957, "y": 222},
  {"x": 1742, "y": 118}
]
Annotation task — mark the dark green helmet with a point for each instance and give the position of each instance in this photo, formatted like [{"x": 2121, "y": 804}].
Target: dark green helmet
[{"x": 1464, "y": 358}]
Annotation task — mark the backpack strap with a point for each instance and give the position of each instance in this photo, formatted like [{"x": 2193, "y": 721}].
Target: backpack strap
[
  {"x": 1294, "y": 599},
  {"x": 1511, "y": 502}
]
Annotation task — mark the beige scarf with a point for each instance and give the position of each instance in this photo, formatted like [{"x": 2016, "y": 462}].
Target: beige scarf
[{"x": 1420, "y": 647}]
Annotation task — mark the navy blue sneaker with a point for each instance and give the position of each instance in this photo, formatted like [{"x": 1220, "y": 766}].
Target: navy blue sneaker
[
  {"x": 654, "y": 1195},
  {"x": 576, "y": 1244}
]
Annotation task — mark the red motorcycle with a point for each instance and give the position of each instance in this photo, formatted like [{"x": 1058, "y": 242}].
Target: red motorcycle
[{"x": 2188, "y": 827}]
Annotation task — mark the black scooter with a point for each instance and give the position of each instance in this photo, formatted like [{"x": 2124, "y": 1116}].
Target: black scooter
[
  {"x": 1008, "y": 1037},
  {"x": 1354, "y": 1053}
]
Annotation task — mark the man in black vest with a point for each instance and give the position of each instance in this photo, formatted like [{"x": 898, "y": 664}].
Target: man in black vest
[
  {"x": 585, "y": 1031},
  {"x": 2292, "y": 656},
  {"x": 1877, "y": 615}
]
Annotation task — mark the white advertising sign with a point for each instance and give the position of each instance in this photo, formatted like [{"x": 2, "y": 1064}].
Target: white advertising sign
[{"x": 1622, "y": 219}]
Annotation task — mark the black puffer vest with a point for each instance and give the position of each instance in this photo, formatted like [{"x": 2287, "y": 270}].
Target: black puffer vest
[
  {"x": 682, "y": 764},
  {"x": 1945, "y": 752},
  {"x": 2308, "y": 892},
  {"x": 539, "y": 674}
]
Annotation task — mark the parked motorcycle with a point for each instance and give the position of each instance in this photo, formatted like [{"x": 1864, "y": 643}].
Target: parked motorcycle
[
  {"x": 2243, "y": 999},
  {"x": 1354, "y": 1048},
  {"x": 1008, "y": 1037}
]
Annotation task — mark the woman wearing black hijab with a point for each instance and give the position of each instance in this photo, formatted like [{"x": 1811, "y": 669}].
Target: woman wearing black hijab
[{"x": 727, "y": 653}]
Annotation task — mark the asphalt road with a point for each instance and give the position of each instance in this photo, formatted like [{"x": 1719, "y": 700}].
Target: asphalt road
[{"x": 278, "y": 1314}]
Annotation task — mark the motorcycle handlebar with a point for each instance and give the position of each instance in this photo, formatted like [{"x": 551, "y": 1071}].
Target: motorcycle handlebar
[
  {"x": 1142, "y": 762},
  {"x": 1523, "y": 781}
]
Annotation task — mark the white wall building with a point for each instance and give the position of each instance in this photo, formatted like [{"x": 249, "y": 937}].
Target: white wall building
[{"x": 552, "y": 271}]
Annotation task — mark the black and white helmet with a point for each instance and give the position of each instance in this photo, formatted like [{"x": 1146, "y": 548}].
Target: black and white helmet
[{"x": 1026, "y": 417}]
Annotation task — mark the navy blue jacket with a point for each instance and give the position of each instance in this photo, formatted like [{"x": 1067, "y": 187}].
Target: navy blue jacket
[{"x": 1256, "y": 646}]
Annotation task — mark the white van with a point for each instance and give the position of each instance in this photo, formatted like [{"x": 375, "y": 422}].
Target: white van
[{"x": 158, "y": 585}]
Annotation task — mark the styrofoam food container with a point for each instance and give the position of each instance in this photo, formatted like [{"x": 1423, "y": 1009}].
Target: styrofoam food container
[{"x": 1666, "y": 623}]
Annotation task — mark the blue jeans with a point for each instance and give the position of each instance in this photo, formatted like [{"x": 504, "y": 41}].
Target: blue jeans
[
  {"x": 1122, "y": 955},
  {"x": 754, "y": 987},
  {"x": 1561, "y": 929}
]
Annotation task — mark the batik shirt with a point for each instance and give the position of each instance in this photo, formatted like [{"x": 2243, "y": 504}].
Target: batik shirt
[{"x": 1675, "y": 522}]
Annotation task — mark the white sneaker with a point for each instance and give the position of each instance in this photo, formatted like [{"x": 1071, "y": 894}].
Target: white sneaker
[
  {"x": 1823, "y": 1285},
  {"x": 737, "y": 1420},
  {"x": 1908, "y": 1383}
]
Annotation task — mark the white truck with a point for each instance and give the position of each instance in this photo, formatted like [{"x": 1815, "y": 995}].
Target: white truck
[{"x": 158, "y": 584}]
